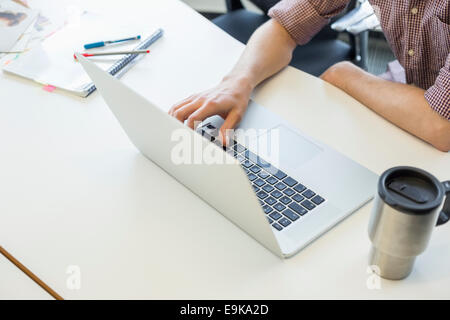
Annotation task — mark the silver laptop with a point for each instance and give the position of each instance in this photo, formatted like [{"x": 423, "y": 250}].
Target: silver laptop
[{"x": 284, "y": 204}]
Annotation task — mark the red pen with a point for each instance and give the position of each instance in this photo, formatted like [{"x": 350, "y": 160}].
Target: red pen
[{"x": 112, "y": 53}]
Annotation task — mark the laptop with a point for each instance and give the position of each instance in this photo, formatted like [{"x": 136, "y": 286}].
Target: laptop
[{"x": 283, "y": 205}]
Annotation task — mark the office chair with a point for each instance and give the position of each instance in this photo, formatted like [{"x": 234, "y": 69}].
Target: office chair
[{"x": 324, "y": 50}]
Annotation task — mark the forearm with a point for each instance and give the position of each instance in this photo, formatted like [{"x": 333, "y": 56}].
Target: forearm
[
  {"x": 404, "y": 105},
  {"x": 267, "y": 52}
]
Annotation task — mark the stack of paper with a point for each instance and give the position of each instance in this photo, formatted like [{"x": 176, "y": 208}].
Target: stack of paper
[
  {"x": 15, "y": 19},
  {"x": 52, "y": 62}
]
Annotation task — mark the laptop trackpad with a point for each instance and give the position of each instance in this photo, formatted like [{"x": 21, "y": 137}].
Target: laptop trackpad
[{"x": 286, "y": 147}]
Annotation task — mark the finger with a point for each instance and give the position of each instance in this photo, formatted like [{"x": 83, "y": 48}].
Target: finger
[
  {"x": 206, "y": 111},
  {"x": 231, "y": 121},
  {"x": 180, "y": 104},
  {"x": 185, "y": 111}
]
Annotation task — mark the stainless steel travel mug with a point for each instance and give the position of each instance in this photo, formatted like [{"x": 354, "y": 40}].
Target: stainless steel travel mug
[{"x": 407, "y": 207}]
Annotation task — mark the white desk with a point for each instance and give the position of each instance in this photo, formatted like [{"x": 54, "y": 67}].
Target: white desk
[
  {"x": 14, "y": 284},
  {"x": 76, "y": 192}
]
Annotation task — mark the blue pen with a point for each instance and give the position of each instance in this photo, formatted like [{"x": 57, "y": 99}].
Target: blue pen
[{"x": 103, "y": 43}]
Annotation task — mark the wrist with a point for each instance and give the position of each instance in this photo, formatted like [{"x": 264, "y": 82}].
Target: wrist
[{"x": 242, "y": 82}]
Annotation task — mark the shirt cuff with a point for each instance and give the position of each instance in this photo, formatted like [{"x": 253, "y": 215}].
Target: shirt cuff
[
  {"x": 438, "y": 95},
  {"x": 299, "y": 18}
]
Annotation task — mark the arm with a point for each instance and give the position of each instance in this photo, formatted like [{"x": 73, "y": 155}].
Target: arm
[
  {"x": 404, "y": 105},
  {"x": 267, "y": 52}
]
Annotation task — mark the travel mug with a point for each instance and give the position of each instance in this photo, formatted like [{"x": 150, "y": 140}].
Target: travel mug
[{"x": 407, "y": 207}]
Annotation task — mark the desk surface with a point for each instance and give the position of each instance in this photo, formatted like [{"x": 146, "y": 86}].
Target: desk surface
[
  {"x": 75, "y": 192},
  {"x": 14, "y": 284}
]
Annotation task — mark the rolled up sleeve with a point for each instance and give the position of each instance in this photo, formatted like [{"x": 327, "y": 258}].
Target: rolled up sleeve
[
  {"x": 303, "y": 19},
  {"x": 438, "y": 95}
]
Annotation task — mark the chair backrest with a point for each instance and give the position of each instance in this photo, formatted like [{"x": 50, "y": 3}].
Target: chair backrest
[{"x": 265, "y": 5}]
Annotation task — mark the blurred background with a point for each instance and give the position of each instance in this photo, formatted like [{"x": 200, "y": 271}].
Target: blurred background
[{"x": 363, "y": 43}]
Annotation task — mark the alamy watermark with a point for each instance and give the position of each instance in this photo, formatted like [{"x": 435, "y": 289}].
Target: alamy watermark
[
  {"x": 73, "y": 281},
  {"x": 373, "y": 282},
  {"x": 189, "y": 149}
]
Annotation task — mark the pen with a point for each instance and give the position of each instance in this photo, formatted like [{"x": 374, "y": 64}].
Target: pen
[
  {"x": 103, "y": 43},
  {"x": 30, "y": 274},
  {"x": 7, "y": 52},
  {"x": 112, "y": 53}
]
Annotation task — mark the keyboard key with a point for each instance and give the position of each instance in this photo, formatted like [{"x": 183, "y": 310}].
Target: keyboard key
[
  {"x": 240, "y": 158},
  {"x": 317, "y": 199},
  {"x": 284, "y": 222},
  {"x": 279, "y": 207},
  {"x": 261, "y": 202},
  {"x": 272, "y": 170},
  {"x": 251, "y": 156},
  {"x": 276, "y": 194},
  {"x": 280, "y": 186},
  {"x": 285, "y": 200},
  {"x": 263, "y": 174},
  {"x": 259, "y": 182},
  {"x": 275, "y": 215},
  {"x": 262, "y": 163},
  {"x": 270, "y": 200},
  {"x": 299, "y": 188},
  {"x": 290, "y": 214},
  {"x": 290, "y": 182},
  {"x": 262, "y": 195},
  {"x": 255, "y": 169},
  {"x": 270, "y": 220},
  {"x": 280, "y": 174},
  {"x": 232, "y": 153},
  {"x": 267, "y": 209},
  {"x": 277, "y": 226},
  {"x": 247, "y": 164},
  {"x": 298, "y": 197},
  {"x": 289, "y": 192},
  {"x": 207, "y": 135},
  {"x": 256, "y": 159},
  {"x": 308, "y": 205},
  {"x": 255, "y": 188},
  {"x": 251, "y": 176},
  {"x": 308, "y": 193},
  {"x": 268, "y": 188},
  {"x": 272, "y": 180},
  {"x": 246, "y": 171},
  {"x": 298, "y": 208},
  {"x": 276, "y": 172},
  {"x": 239, "y": 147}
]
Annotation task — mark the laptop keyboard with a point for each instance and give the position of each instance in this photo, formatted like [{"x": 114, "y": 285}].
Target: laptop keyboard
[{"x": 283, "y": 199}]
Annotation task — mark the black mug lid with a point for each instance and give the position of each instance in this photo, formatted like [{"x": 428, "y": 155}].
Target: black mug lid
[{"x": 410, "y": 190}]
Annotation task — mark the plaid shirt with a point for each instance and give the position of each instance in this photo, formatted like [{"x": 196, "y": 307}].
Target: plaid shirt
[{"x": 418, "y": 32}]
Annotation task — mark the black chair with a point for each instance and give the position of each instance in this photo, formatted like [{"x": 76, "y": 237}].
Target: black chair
[{"x": 324, "y": 50}]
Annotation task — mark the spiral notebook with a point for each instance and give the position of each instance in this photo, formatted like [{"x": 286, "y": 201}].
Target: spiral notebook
[
  {"x": 52, "y": 64},
  {"x": 120, "y": 65}
]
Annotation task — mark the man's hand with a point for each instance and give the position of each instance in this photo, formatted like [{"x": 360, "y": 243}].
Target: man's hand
[
  {"x": 267, "y": 52},
  {"x": 229, "y": 100},
  {"x": 402, "y": 104}
]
